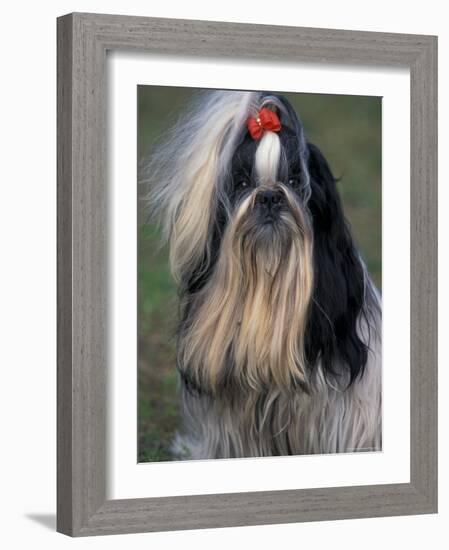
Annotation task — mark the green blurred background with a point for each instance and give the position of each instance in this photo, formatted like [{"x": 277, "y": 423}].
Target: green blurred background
[{"x": 347, "y": 129}]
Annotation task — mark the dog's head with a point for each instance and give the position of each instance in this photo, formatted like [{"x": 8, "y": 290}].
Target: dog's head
[
  {"x": 266, "y": 191},
  {"x": 258, "y": 244},
  {"x": 212, "y": 173}
]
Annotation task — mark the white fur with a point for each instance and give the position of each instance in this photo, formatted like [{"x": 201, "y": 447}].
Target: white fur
[{"x": 268, "y": 155}]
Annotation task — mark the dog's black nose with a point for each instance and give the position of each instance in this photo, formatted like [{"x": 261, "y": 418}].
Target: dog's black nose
[{"x": 270, "y": 199}]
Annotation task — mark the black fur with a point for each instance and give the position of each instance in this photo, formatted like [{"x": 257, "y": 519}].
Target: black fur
[{"x": 338, "y": 300}]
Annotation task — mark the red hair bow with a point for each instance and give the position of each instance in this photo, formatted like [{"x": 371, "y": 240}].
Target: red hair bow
[{"x": 266, "y": 119}]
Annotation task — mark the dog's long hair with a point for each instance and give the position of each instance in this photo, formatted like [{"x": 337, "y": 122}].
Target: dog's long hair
[{"x": 279, "y": 333}]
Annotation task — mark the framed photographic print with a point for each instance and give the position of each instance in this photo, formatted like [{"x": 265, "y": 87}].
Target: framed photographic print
[{"x": 246, "y": 274}]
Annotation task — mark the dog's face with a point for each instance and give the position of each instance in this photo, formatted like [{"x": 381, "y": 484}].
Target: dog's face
[
  {"x": 267, "y": 188},
  {"x": 287, "y": 169}
]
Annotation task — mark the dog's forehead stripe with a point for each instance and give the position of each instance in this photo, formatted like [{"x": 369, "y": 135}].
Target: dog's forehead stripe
[{"x": 267, "y": 159}]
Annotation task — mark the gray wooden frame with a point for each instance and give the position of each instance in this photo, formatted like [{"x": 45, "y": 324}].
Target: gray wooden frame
[{"x": 83, "y": 40}]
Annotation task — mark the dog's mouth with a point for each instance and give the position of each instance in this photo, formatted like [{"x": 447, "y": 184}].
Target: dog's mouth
[
  {"x": 267, "y": 220},
  {"x": 268, "y": 230},
  {"x": 280, "y": 220},
  {"x": 273, "y": 217},
  {"x": 272, "y": 225}
]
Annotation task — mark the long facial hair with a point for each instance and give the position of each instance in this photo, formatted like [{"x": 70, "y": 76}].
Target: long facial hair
[{"x": 249, "y": 321}]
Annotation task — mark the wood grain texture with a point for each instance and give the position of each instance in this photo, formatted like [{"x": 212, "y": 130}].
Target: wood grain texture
[
  {"x": 64, "y": 278},
  {"x": 83, "y": 40},
  {"x": 423, "y": 273}
]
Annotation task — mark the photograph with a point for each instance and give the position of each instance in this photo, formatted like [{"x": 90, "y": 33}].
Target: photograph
[{"x": 259, "y": 273}]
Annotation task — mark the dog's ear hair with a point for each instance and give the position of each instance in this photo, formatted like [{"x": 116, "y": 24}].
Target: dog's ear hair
[
  {"x": 338, "y": 301},
  {"x": 184, "y": 175}
]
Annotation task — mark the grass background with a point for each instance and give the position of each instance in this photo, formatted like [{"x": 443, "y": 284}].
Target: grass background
[{"x": 347, "y": 129}]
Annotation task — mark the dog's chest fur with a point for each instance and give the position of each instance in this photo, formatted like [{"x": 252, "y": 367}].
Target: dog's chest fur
[{"x": 327, "y": 420}]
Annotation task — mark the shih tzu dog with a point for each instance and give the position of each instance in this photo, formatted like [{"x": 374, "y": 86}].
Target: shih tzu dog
[{"x": 279, "y": 339}]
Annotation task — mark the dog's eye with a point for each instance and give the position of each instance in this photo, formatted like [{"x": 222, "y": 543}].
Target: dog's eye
[
  {"x": 243, "y": 183},
  {"x": 293, "y": 181}
]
